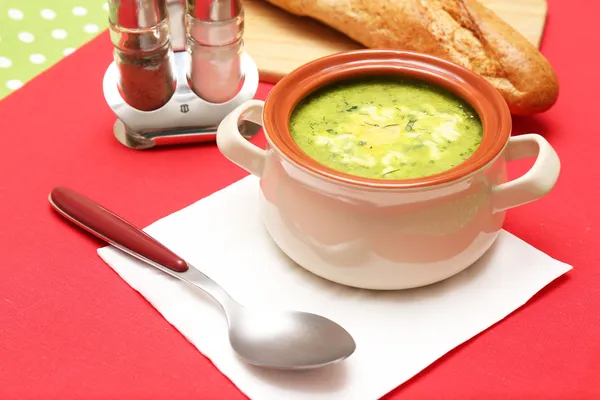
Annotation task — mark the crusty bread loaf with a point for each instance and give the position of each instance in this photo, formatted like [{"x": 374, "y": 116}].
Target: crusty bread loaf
[{"x": 462, "y": 31}]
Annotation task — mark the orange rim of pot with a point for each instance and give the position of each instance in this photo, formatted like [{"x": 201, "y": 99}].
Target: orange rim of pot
[{"x": 474, "y": 89}]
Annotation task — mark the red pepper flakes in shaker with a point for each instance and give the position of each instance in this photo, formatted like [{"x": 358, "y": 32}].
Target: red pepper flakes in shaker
[{"x": 142, "y": 49}]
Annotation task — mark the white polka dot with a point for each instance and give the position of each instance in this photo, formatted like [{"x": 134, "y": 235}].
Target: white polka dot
[
  {"x": 37, "y": 58},
  {"x": 5, "y": 62},
  {"x": 13, "y": 13},
  {"x": 105, "y": 6},
  {"x": 59, "y": 33},
  {"x": 68, "y": 51},
  {"x": 14, "y": 84},
  {"x": 47, "y": 13},
  {"x": 79, "y": 11},
  {"x": 26, "y": 37},
  {"x": 91, "y": 28}
]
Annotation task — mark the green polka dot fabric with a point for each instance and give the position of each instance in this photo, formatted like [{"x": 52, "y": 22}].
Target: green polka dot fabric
[{"x": 35, "y": 34}]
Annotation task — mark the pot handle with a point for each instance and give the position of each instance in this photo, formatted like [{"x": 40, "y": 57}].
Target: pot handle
[
  {"x": 536, "y": 182},
  {"x": 233, "y": 145}
]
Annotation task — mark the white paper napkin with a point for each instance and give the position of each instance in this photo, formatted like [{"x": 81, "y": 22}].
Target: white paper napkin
[{"x": 398, "y": 333}]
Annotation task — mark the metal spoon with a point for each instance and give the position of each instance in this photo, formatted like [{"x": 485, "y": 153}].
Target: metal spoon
[{"x": 282, "y": 340}]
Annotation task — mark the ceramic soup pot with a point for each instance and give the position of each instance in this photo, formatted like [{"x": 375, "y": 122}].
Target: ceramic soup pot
[{"x": 376, "y": 233}]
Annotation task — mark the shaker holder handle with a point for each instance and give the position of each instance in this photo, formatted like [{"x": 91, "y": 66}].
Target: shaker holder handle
[
  {"x": 234, "y": 146},
  {"x": 536, "y": 182}
]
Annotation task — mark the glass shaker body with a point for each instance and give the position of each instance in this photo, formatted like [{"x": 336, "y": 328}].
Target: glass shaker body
[
  {"x": 215, "y": 45},
  {"x": 139, "y": 31}
]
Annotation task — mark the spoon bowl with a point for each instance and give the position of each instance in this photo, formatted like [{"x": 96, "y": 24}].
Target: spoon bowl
[
  {"x": 269, "y": 339},
  {"x": 288, "y": 340}
]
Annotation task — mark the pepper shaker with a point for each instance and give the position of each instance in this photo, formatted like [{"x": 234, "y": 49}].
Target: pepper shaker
[
  {"x": 214, "y": 42},
  {"x": 139, "y": 31}
]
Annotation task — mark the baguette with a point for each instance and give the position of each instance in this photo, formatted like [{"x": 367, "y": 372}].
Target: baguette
[{"x": 462, "y": 31}]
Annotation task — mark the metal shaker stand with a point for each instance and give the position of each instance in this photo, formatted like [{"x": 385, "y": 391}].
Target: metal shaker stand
[{"x": 185, "y": 118}]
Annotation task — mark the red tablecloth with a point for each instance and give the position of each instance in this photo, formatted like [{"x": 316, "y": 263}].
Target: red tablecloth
[{"x": 70, "y": 328}]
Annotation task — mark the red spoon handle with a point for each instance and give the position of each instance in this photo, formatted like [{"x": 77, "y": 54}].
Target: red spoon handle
[{"x": 112, "y": 228}]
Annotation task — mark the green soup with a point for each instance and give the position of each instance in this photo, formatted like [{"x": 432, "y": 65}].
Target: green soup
[{"x": 386, "y": 128}]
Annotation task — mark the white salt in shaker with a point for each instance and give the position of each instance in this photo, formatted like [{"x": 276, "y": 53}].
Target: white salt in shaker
[{"x": 214, "y": 42}]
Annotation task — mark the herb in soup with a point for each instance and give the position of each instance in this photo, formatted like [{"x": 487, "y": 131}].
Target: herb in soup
[{"x": 386, "y": 128}]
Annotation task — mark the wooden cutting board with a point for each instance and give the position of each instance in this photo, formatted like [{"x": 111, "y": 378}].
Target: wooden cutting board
[{"x": 280, "y": 42}]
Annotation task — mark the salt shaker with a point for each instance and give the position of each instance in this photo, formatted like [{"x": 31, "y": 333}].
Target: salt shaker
[
  {"x": 214, "y": 42},
  {"x": 139, "y": 31}
]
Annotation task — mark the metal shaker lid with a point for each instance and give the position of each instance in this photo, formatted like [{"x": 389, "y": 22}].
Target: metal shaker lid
[
  {"x": 214, "y": 10},
  {"x": 135, "y": 14}
]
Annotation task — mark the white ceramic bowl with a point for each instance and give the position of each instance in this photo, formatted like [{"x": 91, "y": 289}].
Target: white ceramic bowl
[{"x": 382, "y": 234}]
